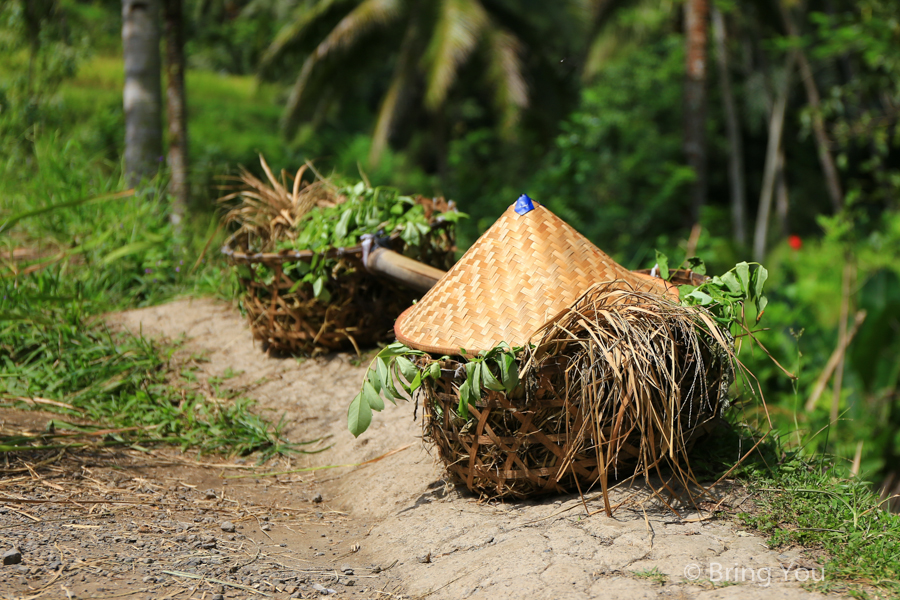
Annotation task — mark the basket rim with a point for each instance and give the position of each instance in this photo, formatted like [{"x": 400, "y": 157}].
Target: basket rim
[{"x": 285, "y": 256}]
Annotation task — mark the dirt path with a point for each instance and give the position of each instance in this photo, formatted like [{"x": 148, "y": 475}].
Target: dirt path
[{"x": 386, "y": 530}]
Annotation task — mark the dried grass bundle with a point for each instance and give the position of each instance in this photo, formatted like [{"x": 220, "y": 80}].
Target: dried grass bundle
[
  {"x": 269, "y": 211},
  {"x": 618, "y": 384},
  {"x": 643, "y": 371}
]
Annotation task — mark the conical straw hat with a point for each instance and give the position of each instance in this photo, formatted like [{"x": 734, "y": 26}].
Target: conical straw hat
[{"x": 523, "y": 271}]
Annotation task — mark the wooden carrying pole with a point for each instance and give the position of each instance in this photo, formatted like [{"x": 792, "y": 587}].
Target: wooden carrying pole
[{"x": 401, "y": 269}]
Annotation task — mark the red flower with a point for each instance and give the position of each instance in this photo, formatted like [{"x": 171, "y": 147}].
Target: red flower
[{"x": 795, "y": 242}]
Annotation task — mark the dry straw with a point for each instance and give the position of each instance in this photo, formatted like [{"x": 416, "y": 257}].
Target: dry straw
[
  {"x": 621, "y": 382},
  {"x": 270, "y": 210}
]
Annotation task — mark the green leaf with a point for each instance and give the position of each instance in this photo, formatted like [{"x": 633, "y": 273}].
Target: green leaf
[
  {"x": 434, "y": 370},
  {"x": 473, "y": 374},
  {"x": 359, "y": 416},
  {"x": 490, "y": 382},
  {"x": 416, "y": 382},
  {"x": 697, "y": 265},
  {"x": 383, "y": 375},
  {"x": 372, "y": 378},
  {"x": 701, "y": 298},
  {"x": 294, "y": 287},
  {"x": 343, "y": 225},
  {"x": 464, "y": 393},
  {"x": 761, "y": 275},
  {"x": 398, "y": 349},
  {"x": 731, "y": 282},
  {"x": 371, "y": 397},
  {"x": 410, "y": 235},
  {"x": 743, "y": 272},
  {"x": 509, "y": 372},
  {"x": 663, "y": 261},
  {"x": 407, "y": 368},
  {"x": 318, "y": 285},
  {"x": 761, "y": 305}
]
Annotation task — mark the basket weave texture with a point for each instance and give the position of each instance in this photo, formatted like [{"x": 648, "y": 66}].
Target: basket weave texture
[
  {"x": 287, "y": 317},
  {"x": 519, "y": 274},
  {"x": 549, "y": 437},
  {"x": 509, "y": 448}
]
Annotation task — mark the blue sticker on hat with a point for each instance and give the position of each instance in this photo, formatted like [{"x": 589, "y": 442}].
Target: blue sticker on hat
[{"x": 524, "y": 205}]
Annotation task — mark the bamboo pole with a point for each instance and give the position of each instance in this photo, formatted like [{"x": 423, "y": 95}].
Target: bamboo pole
[
  {"x": 849, "y": 272},
  {"x": 832, "y": 363},
  {"x": 401, "y": 269},
  {"x": 776, "y": 128}
]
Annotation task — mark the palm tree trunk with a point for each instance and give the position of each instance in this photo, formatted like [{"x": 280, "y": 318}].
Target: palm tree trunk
[
  {"x": 176, "y": 104},
  {"x": 736, "y": 153},
  {"x": 696, "y": 13},
  {"x": 142, "y": 95},
  {"x": 832, "y": 181},
  {"x": 776, "y": 128}
]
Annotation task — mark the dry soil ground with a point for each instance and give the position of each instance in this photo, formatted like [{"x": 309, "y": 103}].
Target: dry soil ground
[{"x": 159, "y": 524}]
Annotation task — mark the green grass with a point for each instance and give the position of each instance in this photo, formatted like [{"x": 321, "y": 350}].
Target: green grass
[
  {"x": 97, "y": 250},
  {"x": 231, "y": 118},
  {"x": 816, "y": 506},
  {"x": 808, "y": 501},
  {"x": 654, "y": 575},
  {"x": 51, "y": 349}
]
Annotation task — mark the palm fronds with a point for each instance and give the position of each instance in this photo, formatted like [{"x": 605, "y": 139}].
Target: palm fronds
[
  {"x": 363, "y": 18},
  {"x": 458, "y": 29},
  {"x": 404, "y": 73},
  {"x": 304, "y": 18},
  {"x": 505, "y": 74}
]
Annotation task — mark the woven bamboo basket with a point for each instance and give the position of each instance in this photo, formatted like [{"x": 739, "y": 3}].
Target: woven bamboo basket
[
  {"x": 287, "y": 317},
  {"x": 522, "y": 274},
  {"x": 532, "y": 441},
  {"x": 509, "y": 447}
]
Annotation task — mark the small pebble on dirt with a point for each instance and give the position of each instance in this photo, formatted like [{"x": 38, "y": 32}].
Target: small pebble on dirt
[
  {"x": 227, "y": 526},
  {"x": 218, "y": 597},
  {"x": 12, "y": 557},
  {"x": 346, "y": 569},
  {"x": 266, "y": 527},
  {"x": 317, "y": 498}
]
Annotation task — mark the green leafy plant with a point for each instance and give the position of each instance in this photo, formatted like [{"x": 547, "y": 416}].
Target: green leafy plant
[
  {"x": 363, "y": 211},
  {"x": 322, "y": 216},
  {"x": 726, "y": 296},
  {"x": 399, "y": 365}
]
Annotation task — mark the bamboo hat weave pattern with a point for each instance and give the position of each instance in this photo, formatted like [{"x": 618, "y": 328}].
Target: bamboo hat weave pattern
[{"x": 519, "y": 274}]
